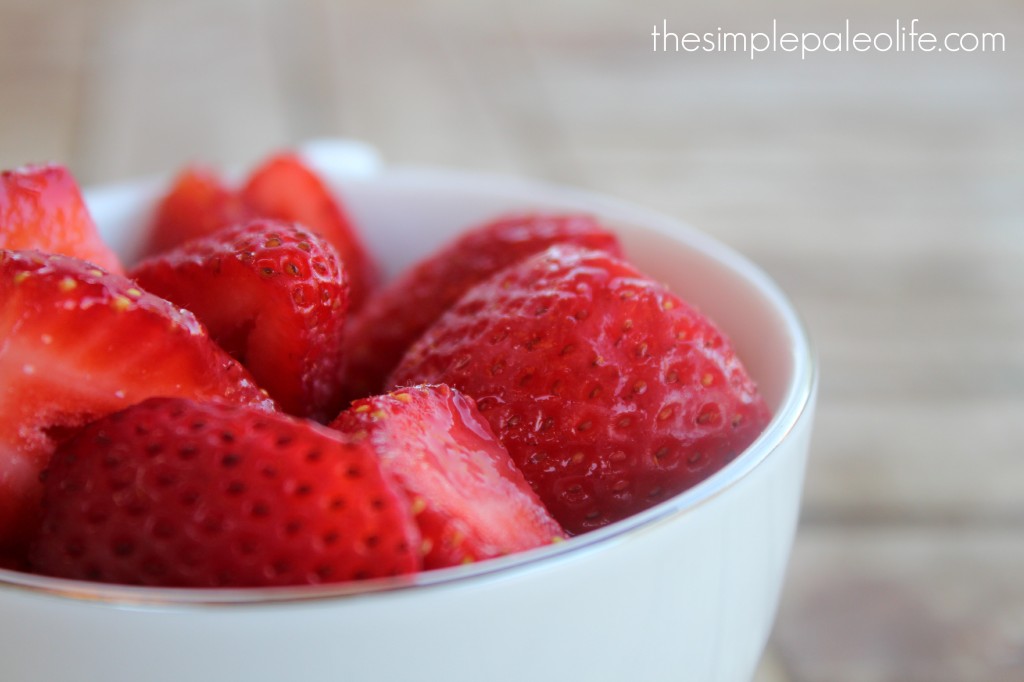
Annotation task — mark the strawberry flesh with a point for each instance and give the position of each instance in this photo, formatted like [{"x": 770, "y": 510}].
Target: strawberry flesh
[
  {"x": 41, "y": 208},
  {"x": 274, "y": 295},
  {"x": 470, "y": 500},
  {"x": 77, "y": 343}
]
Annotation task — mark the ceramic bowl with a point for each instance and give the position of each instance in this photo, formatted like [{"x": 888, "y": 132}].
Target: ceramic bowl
[{"x": 686, "y": 590}]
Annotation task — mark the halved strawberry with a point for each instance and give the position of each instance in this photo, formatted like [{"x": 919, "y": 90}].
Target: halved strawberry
[
  {"x": 470, "y": 500},
  {"x": 197, "y": 204},
  {"x": 285, "y": 188},
  {"x": 399, "y": 314},
  {"x": 274, "y": 295},
  {"x": 610, "y": 393},
  {"x": 41, "y": 208},
  {"x": 77, "y": 343},
  {"x": 177, "y": 493}
]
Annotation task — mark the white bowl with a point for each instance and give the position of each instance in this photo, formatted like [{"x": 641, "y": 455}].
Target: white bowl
[{"x": 684, "y": 591}]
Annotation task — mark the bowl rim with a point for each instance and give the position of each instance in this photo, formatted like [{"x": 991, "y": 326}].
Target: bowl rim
[{"x": 797, "y": 399}]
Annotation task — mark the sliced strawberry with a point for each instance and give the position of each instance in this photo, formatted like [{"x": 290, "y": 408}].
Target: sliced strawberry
[
  {"x": 198, "y": 204},
  {"x": 77, "y": 343},
  {"x": 399, "y": 314},
  {"x": 41, "y": 208},
  {"x": 470, "y": 500},
  {"x": 274, "y": 295},
  {"x": 284, "y": 187},
  {"x": 176, "y": 493},
  {"x": 610, "y": 393}
]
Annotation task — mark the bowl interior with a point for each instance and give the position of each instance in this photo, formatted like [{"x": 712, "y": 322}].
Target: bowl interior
[{"x": 406, "y": 213}]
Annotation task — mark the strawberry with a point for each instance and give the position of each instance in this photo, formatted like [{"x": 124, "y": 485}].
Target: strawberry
[
  {"x": 399, "y": 314},
  {"x": 41, "y": 208},
  {"x": 610, "y": 393},
  {"x": 14, "y": 561},
  {"x": 272, "y": 294},
  {"x": 198, "y": 204},
  {"x": 283, "y": 188},
  {"x": 77, "y": 343},
  {"x": 470, "y": 500},
  {"x": 177, "y": 493}
]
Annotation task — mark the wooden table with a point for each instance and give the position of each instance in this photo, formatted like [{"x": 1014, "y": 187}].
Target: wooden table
[{"x": 885, "y": 192}]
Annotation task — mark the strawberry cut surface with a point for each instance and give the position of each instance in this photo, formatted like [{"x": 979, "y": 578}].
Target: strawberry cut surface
[
  {"x": 609, "y": 392},
  {"x": 274, "y": 295},
  {"x": 41, "y": 208},
  {"x": 77, "y": 343},
  {"x": 171, "y": 492},
  {"x": 470, "y": 500},
  {"x": 398, "y": 314}
]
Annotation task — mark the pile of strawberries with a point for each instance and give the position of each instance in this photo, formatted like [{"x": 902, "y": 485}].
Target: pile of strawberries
[{"x": 245, "y": 406}]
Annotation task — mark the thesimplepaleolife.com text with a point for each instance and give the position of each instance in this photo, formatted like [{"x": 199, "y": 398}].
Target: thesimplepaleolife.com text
[{"x": 905, "y": 36}]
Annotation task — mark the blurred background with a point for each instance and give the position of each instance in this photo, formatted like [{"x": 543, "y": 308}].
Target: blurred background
[{"x": 884, "y": 191}]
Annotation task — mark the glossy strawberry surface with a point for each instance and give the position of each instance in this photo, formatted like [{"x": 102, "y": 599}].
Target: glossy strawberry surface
[
  {"x": 197, "y": 204},
  {"x": 286, "y": 188},
  {"x": 275, "y": 296},
  {"x": 177, "y": 493},
  {"x": 610, "y": 393},
  {"x": 41, "y": 208},
  {"x": 399, "y": 313},
  {"x": 283, "y": 187},
  {"x": 77, "y": 343},
  {"x": 470, "y": 500}
]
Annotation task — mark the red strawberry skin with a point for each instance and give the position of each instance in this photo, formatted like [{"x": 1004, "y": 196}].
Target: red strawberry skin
[
  {"x": 198, "y": 204},
  {"x": 78, "y": 343},
  {"x": 610, "y": 393},
  {"x": 176, "y": 493},
  {"x": 41, "y": 208},
  {"x": 399, "y": 314},
  {"x": 470, "y": 500},
  {"x": 285, "y": 188},
  {"x": 274, "y": 295}
]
